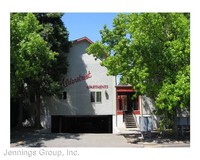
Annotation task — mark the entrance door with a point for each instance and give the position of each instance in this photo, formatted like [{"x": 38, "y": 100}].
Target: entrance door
[
  {"x": 129, "y": 103},
  {"x": 122, "y": 103},
  {"x": 125, "y": 102}
]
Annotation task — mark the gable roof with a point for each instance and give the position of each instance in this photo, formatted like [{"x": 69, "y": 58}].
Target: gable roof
[{"x": 83, "y": 39}]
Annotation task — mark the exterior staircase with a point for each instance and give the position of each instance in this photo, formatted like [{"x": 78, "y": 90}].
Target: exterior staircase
[{"x": 129, "y": 120}]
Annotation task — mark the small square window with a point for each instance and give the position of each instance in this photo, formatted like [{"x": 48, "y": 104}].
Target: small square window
[
  {"x": 98, "y": 97},
  {"x": 107, "y": 95},
  {"x": 92, "y": 96},
  {"x": 95, "y": 97},
  {"x": 64, "y": 95}
]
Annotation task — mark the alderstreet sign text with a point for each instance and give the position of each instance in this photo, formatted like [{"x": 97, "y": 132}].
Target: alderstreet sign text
[{"x": 69, "y": 81}]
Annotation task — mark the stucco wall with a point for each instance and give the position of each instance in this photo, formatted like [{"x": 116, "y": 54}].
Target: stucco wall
[
  {"x": 148, "y": 107},
  {"x": 78, "y": 94}
]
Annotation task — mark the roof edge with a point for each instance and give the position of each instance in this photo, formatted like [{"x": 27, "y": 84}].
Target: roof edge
[{"x": 83, "y": 39}]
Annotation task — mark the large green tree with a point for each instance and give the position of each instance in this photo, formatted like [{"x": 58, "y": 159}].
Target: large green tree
[
  {"x": 151, "y": 51},
  {"x": 55, "y": 33},
  {"x": 35, "y": 60}
]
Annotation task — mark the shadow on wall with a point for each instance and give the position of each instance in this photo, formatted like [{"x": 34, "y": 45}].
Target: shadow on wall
[
  {"x": 148, "y": 108},
  {"x": 59, "y": 106},
  {"x": 78, "y": 95}
]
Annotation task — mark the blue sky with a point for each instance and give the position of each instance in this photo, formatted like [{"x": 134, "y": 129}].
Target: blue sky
[{"x": 87, "y": 24}]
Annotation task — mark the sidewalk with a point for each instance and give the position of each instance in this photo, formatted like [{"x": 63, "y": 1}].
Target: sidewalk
[
  {"x": 123, "y": 138},
  {"x": 43, "y": 138},
  {"x": 133, "y": 136}
]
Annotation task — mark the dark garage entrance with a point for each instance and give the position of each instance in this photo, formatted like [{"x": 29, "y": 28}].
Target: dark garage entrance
[{"x": 81, "y": 124}]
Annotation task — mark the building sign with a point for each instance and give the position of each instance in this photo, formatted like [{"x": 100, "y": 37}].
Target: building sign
[
  {"x": 69, "y": 81},
  {"x": 97, "y": 86}
]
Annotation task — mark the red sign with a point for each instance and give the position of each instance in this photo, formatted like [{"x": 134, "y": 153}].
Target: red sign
[
  {"x": 69, "y": 81},
  {"x": 97, "y": 86}
]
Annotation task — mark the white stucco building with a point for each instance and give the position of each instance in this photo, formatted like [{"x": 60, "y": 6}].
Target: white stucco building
[{"x": 91, "y": 101}]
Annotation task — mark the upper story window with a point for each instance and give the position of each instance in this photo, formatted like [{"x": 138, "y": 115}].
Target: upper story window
[
  {"x": 92, "y": 96},
  {"x": 96, "y": 97},
  {"x": 64, "y": 95}
]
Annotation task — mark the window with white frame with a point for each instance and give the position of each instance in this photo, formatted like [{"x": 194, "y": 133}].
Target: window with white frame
[
  {"x": 64, "y": 95},
  {"x": 92, "y": 96},
  {"x": 96, "y": 97}
]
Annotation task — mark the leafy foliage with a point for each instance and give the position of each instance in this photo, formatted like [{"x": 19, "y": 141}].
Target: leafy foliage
[
  {"x": 152, "y": 53},
  {"x": 54, "y": 32},
  {"x": 30, "y": 53},
  {"x": 38, "y": 55},
  {"x": 38, "y": 52}
]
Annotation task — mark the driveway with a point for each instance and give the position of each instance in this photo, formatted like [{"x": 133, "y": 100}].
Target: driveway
[
  {"x": 38, "y": 139},
  {"x": 125, "y": 138}
]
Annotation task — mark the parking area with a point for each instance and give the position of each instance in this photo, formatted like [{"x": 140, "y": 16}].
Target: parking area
[
  {"x": 124, "y": 138},
  {"x": 38, "y": 139}
]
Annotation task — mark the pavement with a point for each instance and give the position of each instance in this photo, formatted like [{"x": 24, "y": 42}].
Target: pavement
[
  {"x": 122, "y": 138},
  {"x": 134, "y": 136}
]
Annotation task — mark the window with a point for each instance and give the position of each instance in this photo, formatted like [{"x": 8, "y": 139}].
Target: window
[
  {"x": 107, "y": 95},
  {"x": 95, "y": 97},
  {"x": 98, "y": 97},
  {"x": 92, "y": 96},
  {"x": 135, "y": 104},
  {"x": 64, "y": 95},
  {"x": 120, "y": 104}
]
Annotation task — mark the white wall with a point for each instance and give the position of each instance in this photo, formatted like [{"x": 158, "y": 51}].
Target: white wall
[
  {"x": 148, "y": 107},
  {"x": 78, "y": 95},
  {"x": 120, "y": 122}
]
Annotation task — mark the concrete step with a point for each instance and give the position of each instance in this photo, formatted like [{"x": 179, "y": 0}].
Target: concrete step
[
  {"x": 129, "y": 118},
  {"x": 130, "y": 124},
  {"x": 130, "y": 121},
  {"x": 129, "y": 115}
]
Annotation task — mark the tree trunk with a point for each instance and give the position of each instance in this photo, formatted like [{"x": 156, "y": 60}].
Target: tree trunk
[
  {"x": 175, "y": 125},
  {"x": 37, "y": 113},
  {"x": 20, "y": 116}
]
